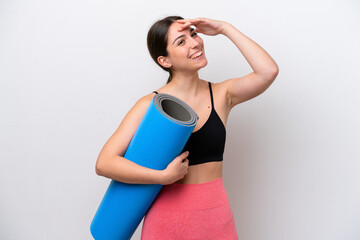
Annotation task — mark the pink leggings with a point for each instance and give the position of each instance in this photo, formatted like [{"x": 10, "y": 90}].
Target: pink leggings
[{"x": 190, "y": 211}]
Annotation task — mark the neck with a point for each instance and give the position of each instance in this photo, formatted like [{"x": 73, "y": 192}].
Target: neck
[{"x": 185, "y": 84}]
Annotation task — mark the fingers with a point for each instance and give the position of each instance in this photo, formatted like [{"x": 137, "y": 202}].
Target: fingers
[
  {"x": 185, "y": 25},
  {"x": 188, "y": 22},
  {"x": 192, "y": 20},
  {"x": 183, "y": 155}
]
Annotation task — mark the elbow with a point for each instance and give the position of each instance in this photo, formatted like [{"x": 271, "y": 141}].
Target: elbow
[
  {"x": 99, "y": 168},
  {"x": 272, "y": 74},
  {"x": 275, "y": 71}
]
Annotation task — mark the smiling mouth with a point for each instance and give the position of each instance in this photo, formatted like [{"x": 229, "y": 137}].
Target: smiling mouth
[{"x": 196, "y": 55}]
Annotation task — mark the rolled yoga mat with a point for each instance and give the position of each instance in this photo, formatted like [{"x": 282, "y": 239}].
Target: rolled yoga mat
[{"x": 160, "y": 137}]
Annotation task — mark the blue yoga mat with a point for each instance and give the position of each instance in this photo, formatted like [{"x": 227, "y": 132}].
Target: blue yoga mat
[{"x": 160, "y": 137}]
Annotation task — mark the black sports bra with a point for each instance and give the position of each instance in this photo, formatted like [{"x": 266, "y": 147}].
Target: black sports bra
[{"x": 207, "y": 144}]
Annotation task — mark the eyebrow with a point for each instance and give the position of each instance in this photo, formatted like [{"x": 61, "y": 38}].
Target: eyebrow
[{"x": 191, "y": 30}]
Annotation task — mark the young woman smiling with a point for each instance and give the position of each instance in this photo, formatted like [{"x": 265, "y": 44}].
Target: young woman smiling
[{"x": 193, "y": 203}]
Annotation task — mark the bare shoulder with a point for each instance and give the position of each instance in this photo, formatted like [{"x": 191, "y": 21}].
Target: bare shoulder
[
  {"x": 144, "y": 102},
  {"x": 133, "y": 118},
  {"x": 221, "y": 97},
  {"x": 220, "y": 87},
  {"x": 138, "y": 110},
  {"x": 119, "y": 141}
]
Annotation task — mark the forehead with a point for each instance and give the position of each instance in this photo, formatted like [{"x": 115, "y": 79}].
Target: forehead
[{"x": 174, "y": 33}]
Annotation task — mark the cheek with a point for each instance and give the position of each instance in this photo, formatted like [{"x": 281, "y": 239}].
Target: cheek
[
  {"x": 199, "y": 39},
  {"x": 180, "y": 53}
]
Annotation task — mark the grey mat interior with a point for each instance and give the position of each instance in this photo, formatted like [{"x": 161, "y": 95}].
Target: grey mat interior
[{"x": 175, "y": 109}]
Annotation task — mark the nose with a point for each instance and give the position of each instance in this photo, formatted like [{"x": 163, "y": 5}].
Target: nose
[{"x": 194, "y": 43}]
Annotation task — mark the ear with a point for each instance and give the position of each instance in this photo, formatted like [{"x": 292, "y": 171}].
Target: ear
[{"x": 164, "y": 61}]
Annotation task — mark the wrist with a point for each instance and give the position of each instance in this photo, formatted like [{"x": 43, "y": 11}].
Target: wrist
[
  {"x": 162, "y": 177},
  {"x": 226, "y": 28}
]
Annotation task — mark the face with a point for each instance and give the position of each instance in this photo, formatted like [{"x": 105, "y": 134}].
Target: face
[{"x": 185, "y": 48}]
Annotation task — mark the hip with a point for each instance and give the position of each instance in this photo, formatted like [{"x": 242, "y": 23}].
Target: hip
[{"x": 190, "y": 211}]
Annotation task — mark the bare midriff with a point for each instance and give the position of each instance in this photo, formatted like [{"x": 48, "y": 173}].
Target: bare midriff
[{"x": 202, "y": 173}]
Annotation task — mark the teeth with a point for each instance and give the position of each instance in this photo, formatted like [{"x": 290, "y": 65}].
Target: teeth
[{"x": 196, "y": 55}]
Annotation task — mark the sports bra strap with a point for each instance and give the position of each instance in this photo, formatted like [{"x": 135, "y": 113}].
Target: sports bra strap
[{"x": 211, "y": 95}]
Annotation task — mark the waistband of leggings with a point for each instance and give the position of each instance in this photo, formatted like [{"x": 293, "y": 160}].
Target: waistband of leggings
[
  {"x": 197, "y": 196},
  {"x": 197, "y": 184}
]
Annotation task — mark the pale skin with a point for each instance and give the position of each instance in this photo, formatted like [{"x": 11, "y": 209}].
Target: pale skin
[{"x": 187, "y": 86}]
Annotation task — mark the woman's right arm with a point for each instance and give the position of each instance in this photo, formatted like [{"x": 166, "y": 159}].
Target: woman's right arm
[{"x": 113, "y": 165}]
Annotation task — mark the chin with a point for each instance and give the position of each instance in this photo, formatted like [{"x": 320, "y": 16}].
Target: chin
[{"x": 203, "y": 63}]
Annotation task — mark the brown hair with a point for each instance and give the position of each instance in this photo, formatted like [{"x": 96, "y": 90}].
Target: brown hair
[{"x": 157, "y": 38}]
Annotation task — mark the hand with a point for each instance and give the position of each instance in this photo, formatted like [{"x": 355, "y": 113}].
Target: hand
[
  {"x": 205, "y": 26},
  {"x": 176, "y": 170}
]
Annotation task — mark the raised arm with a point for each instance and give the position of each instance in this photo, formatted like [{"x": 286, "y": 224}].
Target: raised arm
[{"x": 264, "y": 68}]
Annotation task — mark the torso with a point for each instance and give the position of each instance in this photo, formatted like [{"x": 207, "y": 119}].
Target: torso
[
  {"x": 202, "y": 173},
  {"x": 209, "y": 171}
]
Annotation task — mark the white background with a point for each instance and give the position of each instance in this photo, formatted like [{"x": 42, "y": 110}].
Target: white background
[{"x": 70, "y": 71}]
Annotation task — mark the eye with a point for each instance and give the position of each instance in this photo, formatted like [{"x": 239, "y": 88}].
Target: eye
[{"x": 180, "y": 42}]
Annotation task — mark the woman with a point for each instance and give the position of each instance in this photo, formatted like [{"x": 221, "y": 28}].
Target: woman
[{"x": 193, "y": 203}]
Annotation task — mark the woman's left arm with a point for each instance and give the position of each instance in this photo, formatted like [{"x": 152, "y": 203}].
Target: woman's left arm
[{"x": 265, "y": 69}]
